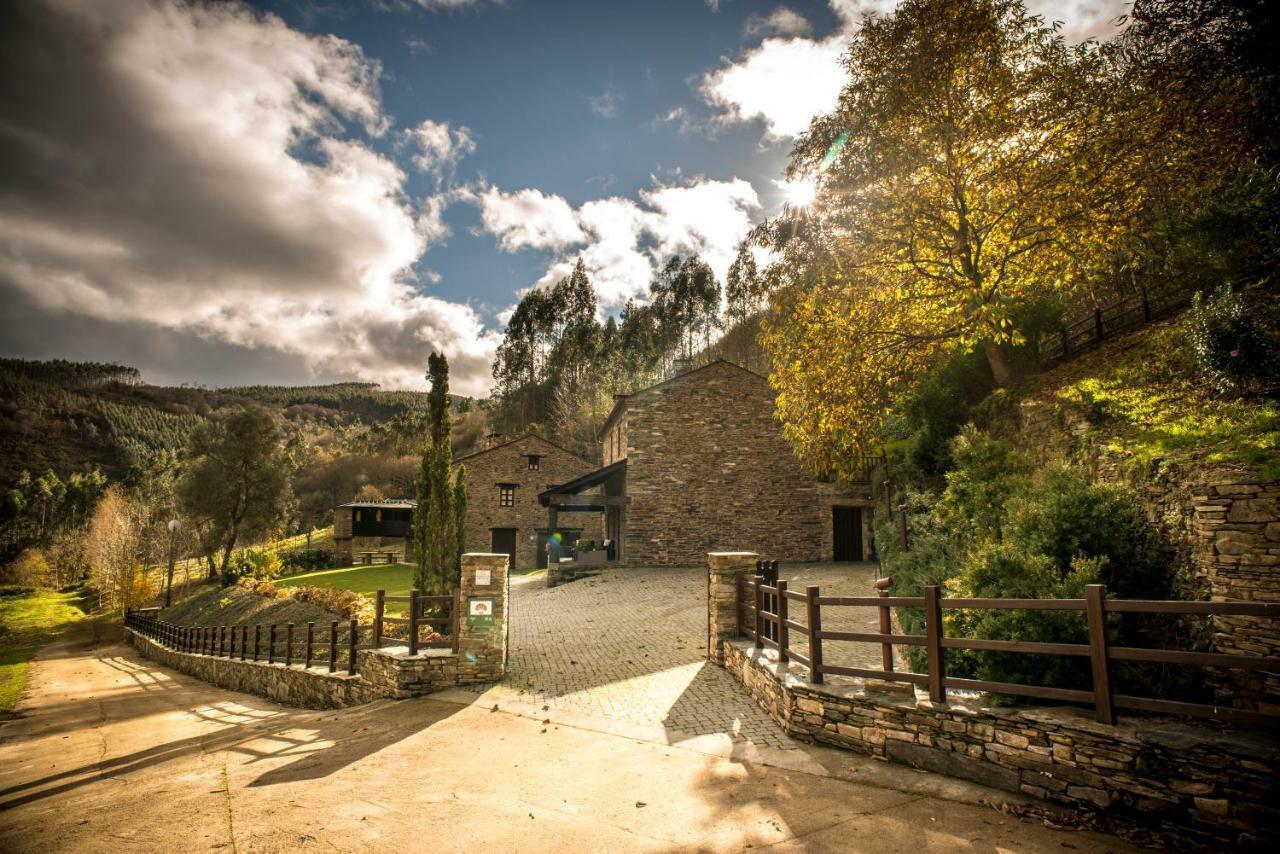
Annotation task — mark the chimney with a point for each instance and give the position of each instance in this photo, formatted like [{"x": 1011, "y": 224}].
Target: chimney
[
  {"x": 492, "y": 440},
  {"x": 682, "y": 365}
]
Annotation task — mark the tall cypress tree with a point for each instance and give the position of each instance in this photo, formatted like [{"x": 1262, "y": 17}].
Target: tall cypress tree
[
  {"x": 434, "y": 533},
  {"x": 460, "y": 519}
]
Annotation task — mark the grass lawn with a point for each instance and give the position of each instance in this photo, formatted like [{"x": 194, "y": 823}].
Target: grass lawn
[
  {"x": 395, "y": 578},
  {"x": 27, "y": 623}
]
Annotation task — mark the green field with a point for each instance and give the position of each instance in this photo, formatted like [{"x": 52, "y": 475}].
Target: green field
[
  {"x": 27, "y": 623},
  {"x": 395, "y": 578}
]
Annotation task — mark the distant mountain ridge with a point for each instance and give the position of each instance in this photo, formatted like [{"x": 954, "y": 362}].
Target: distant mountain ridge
[{"x": 78, "y": 416}]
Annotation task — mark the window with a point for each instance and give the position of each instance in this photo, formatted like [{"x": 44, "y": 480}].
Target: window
[
  {"x": 359, "y": 516},
  {"x": 377, "y": 515},
  {"x": 535, "y": 462},
  {"x": 506, "y": 495}
]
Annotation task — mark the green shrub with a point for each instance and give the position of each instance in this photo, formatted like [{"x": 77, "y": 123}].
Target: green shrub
[
  {"x": 307, "y": 560},
  {"x": 256, "y": 563},
  {"x": 1229, "y": 344},
  {"x": 1001, "y": 530}
]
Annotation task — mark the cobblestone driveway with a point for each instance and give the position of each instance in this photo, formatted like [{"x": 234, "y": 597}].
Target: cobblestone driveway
[{"x": 629, "y": 645}]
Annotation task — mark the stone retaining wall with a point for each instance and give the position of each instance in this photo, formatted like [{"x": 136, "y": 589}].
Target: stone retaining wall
[
  {"x": 314, "y": 688},
  {"x": 1205, "y": 786},
  {"x": 386, "y": 672}
]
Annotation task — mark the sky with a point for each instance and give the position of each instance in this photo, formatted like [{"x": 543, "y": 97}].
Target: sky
[{"x": 299, "y": 192}]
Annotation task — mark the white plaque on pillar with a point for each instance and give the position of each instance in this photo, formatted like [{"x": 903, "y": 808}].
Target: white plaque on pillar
[{"x": 483, "y": 578}]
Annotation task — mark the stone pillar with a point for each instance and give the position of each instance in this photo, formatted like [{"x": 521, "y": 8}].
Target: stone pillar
[
  {"x": 482, "y": 624},
  {"x": 723, "y": 571}
]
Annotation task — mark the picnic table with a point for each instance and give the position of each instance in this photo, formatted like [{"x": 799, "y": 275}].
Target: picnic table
[{"x": 372, "y": 555}]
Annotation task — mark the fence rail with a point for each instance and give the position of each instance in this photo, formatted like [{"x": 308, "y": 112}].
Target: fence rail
[
  {"x": 304, "y": 645},
  {"x": 1128, "y": 313},
  {"x": 771, "y": 626},
  {"x": 306, "y": 649}
]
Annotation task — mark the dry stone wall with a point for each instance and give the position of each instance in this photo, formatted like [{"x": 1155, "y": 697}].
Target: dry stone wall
[
  {"x": 509, "y": 464},
  {"x": 707, "y": 467},
  {"x": 1202, "y": 786}
]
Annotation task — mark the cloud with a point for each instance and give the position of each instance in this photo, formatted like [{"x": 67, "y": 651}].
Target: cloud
[
  {"x": 606, "y": 104},
  {"x": 623, "y": 242},
  {"x": 207, "y": 172},
  {"x": 439, "y": 147},
  {"x": 782, "y": 21},
  {"x": 784, "y": 82},
  {"x": 787, "y": 80},
  {"x": 528, "y": 219}
]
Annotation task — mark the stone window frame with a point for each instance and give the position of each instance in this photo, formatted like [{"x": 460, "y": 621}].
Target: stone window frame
[{"x": 507, "y": 494}]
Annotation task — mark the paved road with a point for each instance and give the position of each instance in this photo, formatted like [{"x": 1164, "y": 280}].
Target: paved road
[
  {"x": 629, "y": 645},
  {"x": 114, "y": 754}
]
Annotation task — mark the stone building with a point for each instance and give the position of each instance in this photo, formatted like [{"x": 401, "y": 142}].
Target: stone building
[
  {"x": 697, "y": 464},
  {"x": 365, "y": 526},
  {"x": 503, "y": 482}
]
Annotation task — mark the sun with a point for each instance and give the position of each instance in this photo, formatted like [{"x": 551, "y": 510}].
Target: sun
[{"x": 801, "y": 192}]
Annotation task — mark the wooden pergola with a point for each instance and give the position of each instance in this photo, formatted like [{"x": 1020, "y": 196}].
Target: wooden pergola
[{"x": 570, "y": 498}]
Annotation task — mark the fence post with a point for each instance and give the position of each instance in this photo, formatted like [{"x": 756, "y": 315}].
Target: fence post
[
  {"x": 231, "y": 647},
  {"x": 379, "y": 607},
  {"x": 902, "y": 527},
  {"x": 244, "y": 643},
  {"x": 413, "y": 622},
  {"x": 888, "y": 497},
  {"x": 271, "y": 645},
  {"x": 784, "y": 635},
  {"x": 288, "y": 645},
  {"x": 257, "y": 640},
  {"x": 759, "y": 611},
  {"x": 814, "y": 618},
  {"x": 456, "y": 617},
  {"x": 351, "y": 648},
  {"x": 333, "y": 645},
  {"x": 933, "y": 640},
  {"x": 311, "y": 636},
  {"x": 1066, "y": 341},
  {"x": 1099, "y": 657},
  {"x": 222, "y": 641},
  {"x": 886, "y": 625}
]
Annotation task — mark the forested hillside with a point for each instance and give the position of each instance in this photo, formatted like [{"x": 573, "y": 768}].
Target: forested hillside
[{"x": 68, "y": 430}]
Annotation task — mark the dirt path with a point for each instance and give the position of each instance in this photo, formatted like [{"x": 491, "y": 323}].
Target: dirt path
[{"x": 115, "y": 754}]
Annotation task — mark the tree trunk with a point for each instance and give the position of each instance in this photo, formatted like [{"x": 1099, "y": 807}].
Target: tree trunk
[{"x": 998, "y": 359}]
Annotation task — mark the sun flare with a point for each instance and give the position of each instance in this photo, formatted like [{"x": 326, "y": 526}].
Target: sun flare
[{"x": 801, "y": 192}]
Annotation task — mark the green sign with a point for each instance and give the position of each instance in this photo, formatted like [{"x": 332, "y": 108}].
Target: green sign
[{"x": 479, "y": 612}]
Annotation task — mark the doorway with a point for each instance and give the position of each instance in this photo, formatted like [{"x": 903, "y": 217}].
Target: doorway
[
  {"x": 504, "y": 542},
  {"x": 846, "y": 525}
]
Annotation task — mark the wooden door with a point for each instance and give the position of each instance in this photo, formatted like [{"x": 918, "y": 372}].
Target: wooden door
[
  {"x": 504, "y": 542},
  {"x": 847, "y": 528}
]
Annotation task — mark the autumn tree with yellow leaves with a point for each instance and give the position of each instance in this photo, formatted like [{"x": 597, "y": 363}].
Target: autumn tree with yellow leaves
[{"x": 975, "y": 164}]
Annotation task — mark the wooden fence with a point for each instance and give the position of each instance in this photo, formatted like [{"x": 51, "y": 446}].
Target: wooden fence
[
  {"x": 439, "y": 613},
  {"x": 304, "y": 648},
  {"x": 307, "y": 646},
  {"x": 774, "y": 620},
  {"x": 1129, "y": 313}
]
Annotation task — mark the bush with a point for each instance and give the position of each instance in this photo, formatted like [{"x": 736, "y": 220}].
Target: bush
[
  {"x": 1230, "y": 346},
  {"x": 348, "y": 603},
  {"x": 15, "y": 590},
  {"x": 307, "y": 560},
  {"x": 1001, "y": 530},
  {"x": 256, "y": 563}
]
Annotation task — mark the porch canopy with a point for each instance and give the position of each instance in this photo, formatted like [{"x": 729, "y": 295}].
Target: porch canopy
[{"x": 611, "y": 500}]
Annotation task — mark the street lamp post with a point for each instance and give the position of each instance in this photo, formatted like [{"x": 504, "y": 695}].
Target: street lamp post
[{"x": 174, "y": 524}]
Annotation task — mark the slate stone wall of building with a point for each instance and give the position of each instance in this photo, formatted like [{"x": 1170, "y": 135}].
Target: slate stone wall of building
[
  {"x": 1201, "y": 785},
  {"x": 707, "y": 467},
  {"x": 1221, "y": 520},
  {"x": 509, "y": 463}
]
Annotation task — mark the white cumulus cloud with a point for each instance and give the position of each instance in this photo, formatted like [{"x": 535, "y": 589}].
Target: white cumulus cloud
[
  {"x": 205, "y": 170},
  {"x": 782, "y": 21},
  {"x": 528, "y": 218}
]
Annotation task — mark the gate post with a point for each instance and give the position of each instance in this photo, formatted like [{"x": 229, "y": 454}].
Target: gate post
[
  {"x": 724, "y": 573},
  {"x": 480, "y": 624}
]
